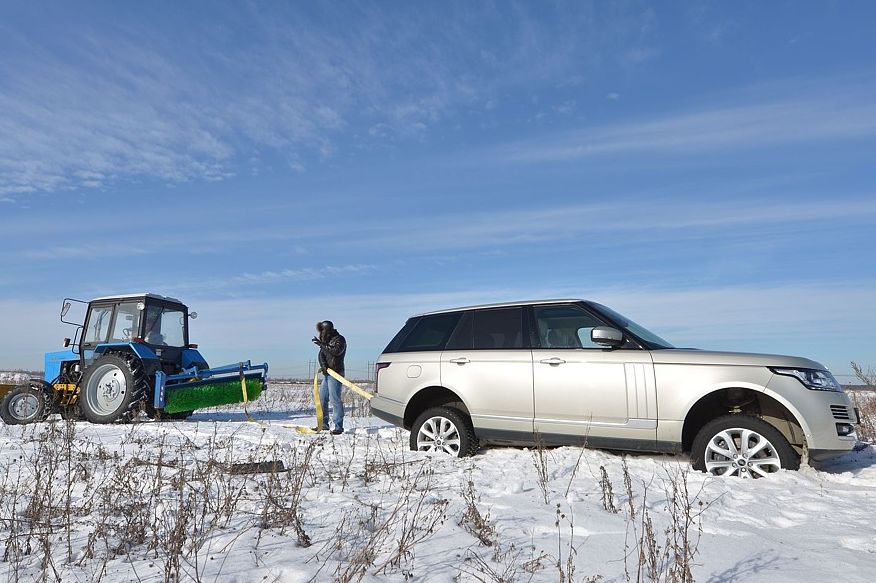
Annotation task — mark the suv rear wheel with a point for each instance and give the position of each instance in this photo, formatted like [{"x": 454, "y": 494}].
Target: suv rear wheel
[
  {"x": 744, "y": 446},
  {"x": 445, "y": 430}
]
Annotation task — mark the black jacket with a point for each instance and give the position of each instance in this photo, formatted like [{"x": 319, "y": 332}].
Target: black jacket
[{"x": 331, "y": 352}]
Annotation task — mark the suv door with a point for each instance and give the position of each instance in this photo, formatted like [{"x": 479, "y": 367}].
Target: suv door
[
  {"x": 585, "y": 391},
  {"x": 488, "y": 362}
]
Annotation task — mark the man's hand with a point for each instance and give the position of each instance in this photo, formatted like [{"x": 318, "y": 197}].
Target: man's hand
[{"x": 317, "y": 341}]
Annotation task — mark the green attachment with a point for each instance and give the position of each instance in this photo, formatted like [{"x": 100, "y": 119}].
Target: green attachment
[{"x": 203, "y": 394}]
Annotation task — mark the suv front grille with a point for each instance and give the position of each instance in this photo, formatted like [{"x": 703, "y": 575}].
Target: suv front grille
[{"x": 840, "y": 412}]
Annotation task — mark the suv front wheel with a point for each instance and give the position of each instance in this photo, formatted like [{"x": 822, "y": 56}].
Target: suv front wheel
[
  {"x": 744, "y": 446},
  {"x": 445, "y": 430}
]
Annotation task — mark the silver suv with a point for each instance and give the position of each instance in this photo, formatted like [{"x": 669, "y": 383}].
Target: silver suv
[{"x": 577, "y": 372}]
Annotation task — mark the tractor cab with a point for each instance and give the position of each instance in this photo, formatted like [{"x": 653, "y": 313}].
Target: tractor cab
[{"x": 153, "y": 326}]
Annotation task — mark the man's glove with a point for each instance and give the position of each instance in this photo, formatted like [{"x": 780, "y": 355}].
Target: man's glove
[{"x": 317, "y": 341}]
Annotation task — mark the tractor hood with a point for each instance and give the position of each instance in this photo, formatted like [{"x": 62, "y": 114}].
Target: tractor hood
[{"x": 694, "y": 356}]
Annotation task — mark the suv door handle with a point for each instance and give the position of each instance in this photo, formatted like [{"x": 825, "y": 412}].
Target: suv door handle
[
  {"x": 460, "y": 360},
  {"x": 552, "y": 361}
]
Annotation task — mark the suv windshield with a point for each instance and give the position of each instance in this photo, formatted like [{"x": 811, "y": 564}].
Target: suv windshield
[
  {"x": 165, "y": 326},
  {"x": 653, "y": 341}
]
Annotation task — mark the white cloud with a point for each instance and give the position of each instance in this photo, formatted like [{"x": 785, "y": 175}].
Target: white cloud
[
  {"x": 91, "y": 107},
  {"x": 617, "y": 221},
  {"x": 845, "y": 113},
  {"x": 639, "y": 55}
]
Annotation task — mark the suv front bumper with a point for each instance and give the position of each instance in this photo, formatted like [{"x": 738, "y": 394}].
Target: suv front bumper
[{"x": 824, "y": 412}]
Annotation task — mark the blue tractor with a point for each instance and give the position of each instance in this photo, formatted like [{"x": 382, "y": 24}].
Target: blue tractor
[{"x": 130, "y": 355}]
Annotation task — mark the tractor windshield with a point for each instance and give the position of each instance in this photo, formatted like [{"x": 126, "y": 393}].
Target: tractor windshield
[
  {"x": 127, "y": 322},
  {"x": 165, "y": 326}
]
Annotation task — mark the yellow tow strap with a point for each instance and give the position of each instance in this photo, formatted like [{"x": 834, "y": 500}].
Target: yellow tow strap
[
  {"x": 352, "y": 386},
  {"x": 316, "y": 400},
  {"x": 245, "y": 396}
]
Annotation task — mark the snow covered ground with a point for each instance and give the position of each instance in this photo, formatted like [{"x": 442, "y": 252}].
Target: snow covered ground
[{"x": 150, "y": 501}]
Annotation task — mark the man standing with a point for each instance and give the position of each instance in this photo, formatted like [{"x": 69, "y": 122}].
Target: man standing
[{"x": 332, "y": 348}]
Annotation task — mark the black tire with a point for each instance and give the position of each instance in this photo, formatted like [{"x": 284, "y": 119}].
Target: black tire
[
  {"x": 130, "y": 397},
  {"x": 468, "y": 442},
  {"x": 35, "y": 396},
  {"x": 777, "y": 447}
]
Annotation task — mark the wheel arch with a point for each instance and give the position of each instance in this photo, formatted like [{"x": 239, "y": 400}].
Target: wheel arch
[
  {"x": 142, "y": 351},
  {"x": 431, "y": 396},
  {"x": 748, "y": 399}
]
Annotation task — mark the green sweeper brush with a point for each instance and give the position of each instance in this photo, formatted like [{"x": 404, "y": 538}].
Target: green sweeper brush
[{"x": 192, "y": 390}]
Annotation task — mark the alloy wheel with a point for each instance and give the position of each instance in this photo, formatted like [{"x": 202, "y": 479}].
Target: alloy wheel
[
  {"x": 439, "y": 434},
  {"x": 741, "y": 452}
]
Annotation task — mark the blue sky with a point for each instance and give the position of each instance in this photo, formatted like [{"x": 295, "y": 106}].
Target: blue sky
[{"x": 707, "y": 168}]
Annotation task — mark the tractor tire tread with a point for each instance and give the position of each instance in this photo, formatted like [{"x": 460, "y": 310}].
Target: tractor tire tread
[
  {"x": 139, "y": 389},
  {"x": 45, "y": 393}
]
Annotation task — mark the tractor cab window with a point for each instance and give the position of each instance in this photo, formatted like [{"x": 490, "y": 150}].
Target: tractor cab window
[
  {"x": 165, "y": 326},
  {"x": 127, "y": 323},
  {"x": 98, "y": 324}
]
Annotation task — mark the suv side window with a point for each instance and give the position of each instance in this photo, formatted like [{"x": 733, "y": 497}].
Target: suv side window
[
  {"x": 430, "y": 333},
  {"x": 498, "y": 329},
  {"x": 565, "y": 326}
]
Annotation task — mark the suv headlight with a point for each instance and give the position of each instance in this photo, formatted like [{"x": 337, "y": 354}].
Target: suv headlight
[{"x": 817, "y": 380}]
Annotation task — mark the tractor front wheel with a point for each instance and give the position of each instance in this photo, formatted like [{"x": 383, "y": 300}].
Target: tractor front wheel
[
  {"x": 26, "y": 404},
  {"x": 112, "y": 389}
]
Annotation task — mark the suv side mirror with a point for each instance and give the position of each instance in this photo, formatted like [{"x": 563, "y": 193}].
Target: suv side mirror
[{"x": 607, "y": 336}]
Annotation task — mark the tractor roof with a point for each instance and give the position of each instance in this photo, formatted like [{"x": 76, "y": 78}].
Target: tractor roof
[{"x": 140, "y": 295}]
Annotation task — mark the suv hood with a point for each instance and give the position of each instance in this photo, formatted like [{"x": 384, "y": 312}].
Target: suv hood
[{"x": 693, "y": 356}]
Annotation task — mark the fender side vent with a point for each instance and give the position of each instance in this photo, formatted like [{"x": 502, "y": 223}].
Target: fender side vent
[{"x": 840, "y": 412}]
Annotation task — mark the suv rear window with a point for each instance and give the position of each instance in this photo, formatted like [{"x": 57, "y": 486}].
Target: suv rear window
[{"x": 428, "y": 333}]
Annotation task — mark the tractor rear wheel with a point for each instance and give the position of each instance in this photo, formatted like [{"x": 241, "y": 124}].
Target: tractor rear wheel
[
  {"x": 112, "y": 389},
  {"x": 26, "y": 404}
]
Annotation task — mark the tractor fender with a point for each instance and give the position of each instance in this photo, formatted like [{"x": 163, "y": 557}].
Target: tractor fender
[
  {"x": 191, "y": 357},
  {"x": 143, "y": 351}
]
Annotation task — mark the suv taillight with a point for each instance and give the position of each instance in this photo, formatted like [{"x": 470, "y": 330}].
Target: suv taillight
[{"x": 377, "y": 368}]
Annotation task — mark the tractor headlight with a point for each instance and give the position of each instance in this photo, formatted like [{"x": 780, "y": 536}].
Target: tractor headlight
[{"x": 817, "y": 380}]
